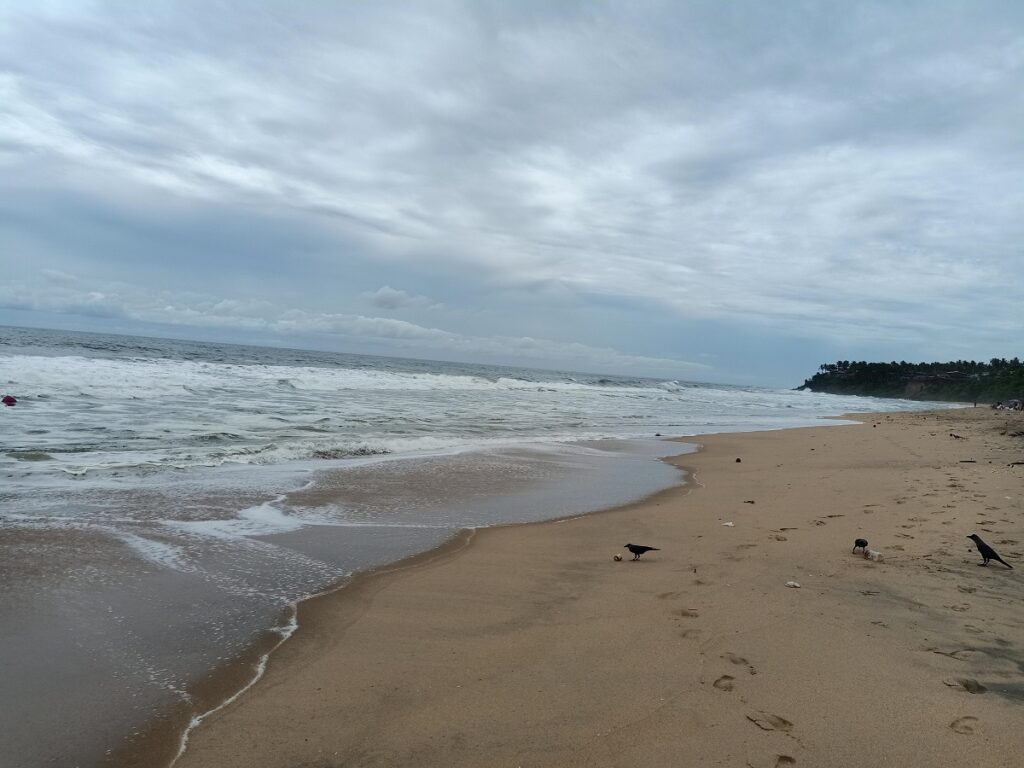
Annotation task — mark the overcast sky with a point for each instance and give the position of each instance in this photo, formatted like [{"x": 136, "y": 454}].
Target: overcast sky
[{"x": 720, "y": 191}]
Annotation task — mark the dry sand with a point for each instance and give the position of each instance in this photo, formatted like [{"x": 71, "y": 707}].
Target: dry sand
[{"x": 529, "y": 646}]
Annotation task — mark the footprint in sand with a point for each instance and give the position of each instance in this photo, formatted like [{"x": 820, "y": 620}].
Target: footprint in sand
[
  {"x": 964, "y": 725},
  {"x": 686, "y": 634},
  {"x": 778, "y": 537},
  {"x": 772, "y": 761},
  {"x": 725, "y": 683},
  {"x": 969, "y": 684},
  {"x": 769, "y": 722},
  {"x": 968, "y": 590},
  {"x": 740, "y": 661},
  {"x": 667, "y": 595},
  {"x": 688, "y": 613}
]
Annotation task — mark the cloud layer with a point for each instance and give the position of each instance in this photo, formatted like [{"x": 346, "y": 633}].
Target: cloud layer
[{"x": 670, "y": 180}]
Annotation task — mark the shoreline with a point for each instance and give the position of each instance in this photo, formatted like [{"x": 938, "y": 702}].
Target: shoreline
[
  {"x": 164, "y": 740},
  {"x": 324, "y": 618}
]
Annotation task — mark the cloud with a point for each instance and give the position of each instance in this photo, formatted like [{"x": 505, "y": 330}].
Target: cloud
[
  {"x": 835, "y": 172},
  {"x": 387, "y": 297},
  {"x": 59, "y": 278}
]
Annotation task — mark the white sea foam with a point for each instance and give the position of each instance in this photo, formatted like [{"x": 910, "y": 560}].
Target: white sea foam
[
  {"x": 161, "y": 379},
  {"x": 284, "y": 632},
  {"x": 158, "y": 552},
  {"x": 262, "y": 520}
]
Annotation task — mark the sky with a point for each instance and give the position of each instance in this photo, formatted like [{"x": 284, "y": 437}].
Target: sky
[{"x": 715, "y": 191}]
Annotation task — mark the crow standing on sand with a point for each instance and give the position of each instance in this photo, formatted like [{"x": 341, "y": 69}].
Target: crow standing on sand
[
  {"x": 987, "y": 553},
  {"x": 860, "y": 544},
  {"x": 639, "y": 549}
]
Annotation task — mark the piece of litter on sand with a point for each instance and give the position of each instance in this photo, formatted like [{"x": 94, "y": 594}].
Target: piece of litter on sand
[
  {"x": 872, "y": 554},
  {"x": 728, "y": 525},
  {"x": 793, "y": 584}
]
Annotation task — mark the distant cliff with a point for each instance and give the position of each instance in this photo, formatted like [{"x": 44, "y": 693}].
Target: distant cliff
[{"x": 960, "y": 381}]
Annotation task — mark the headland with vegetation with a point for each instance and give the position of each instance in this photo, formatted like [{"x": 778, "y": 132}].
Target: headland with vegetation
[{"x": 997, "y": 381}]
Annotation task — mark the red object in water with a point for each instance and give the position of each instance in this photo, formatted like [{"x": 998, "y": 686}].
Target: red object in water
[{"x": 8, "y": 400}]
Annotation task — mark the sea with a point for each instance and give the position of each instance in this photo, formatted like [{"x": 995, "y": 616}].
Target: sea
[{"x": 164, "y": 502}]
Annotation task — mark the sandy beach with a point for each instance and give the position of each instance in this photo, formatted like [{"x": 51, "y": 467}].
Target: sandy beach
[{"x": 530, "y": 646}]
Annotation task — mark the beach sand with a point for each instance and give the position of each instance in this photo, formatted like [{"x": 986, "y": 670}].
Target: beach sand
[{"x": 530, "y": 646}]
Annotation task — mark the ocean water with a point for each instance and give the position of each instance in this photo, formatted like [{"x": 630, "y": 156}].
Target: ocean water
[{"x": 162, "y": 502}]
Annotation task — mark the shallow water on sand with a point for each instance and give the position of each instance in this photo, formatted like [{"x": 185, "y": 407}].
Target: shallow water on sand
[{"x": 106, "y": 622}]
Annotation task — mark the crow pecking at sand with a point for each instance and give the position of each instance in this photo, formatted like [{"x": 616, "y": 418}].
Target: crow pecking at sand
[
  {"x": 987, "y": 553},
  {"x": 639, "y": 549}
]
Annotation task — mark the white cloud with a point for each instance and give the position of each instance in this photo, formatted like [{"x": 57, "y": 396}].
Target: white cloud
[
  {"x": 387, "y": 297},
  {"x": 58, "y": 277}
]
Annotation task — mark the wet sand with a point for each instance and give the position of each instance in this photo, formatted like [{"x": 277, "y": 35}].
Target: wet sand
[
  {"x": 109, "y": 618},
  {"x": 528, "y": 645}
]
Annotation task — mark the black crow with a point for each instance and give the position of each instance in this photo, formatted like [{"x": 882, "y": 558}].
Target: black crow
[
  {"x": 639, "y": 549},
  {"x": 987, "y": 553},
  {"x": 860, "y": 544}
]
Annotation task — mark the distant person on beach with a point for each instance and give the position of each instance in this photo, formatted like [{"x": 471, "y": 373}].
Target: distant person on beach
[{"x": 9, "y": 400}]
